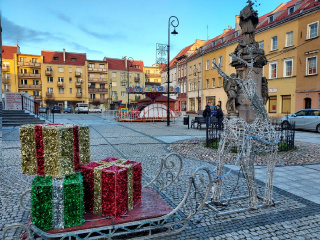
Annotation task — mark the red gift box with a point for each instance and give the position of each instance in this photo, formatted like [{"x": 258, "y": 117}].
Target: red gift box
[
  {"x": 114, "y": 187},
  {"x": 137, "y": 177}
]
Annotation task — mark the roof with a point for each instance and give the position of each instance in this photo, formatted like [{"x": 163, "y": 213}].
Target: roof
[
  {"x": 9, "y": 51},
  {"x": 119, "y": 64},
  {"x": 161, "y": 98},
  {"x": 48, "y": 57}
]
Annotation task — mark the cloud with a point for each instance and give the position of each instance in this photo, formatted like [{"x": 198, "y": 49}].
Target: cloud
[
  {"x": 85, "y": 49},
  {"x": 101, "y": 35},
  {"x": 11, "y": 32},
  {"x": 64, "y": 17}
]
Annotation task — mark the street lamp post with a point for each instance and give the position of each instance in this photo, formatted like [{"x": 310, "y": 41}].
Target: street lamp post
[
  {"x": 110, "y": 90},
  {"x": 174, "y": 32},
  {"x": 129, "y": 60},
  {"x": 196, "y": 72}
]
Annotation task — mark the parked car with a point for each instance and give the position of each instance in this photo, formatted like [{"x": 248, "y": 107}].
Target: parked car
[
  {"x": 42, "y": 110},
  {"x": 67, "y": 110},
  {"x": 56, "y": 109},
  {"x": 306, "y": 119},
  {"x": 95, "y": 110},
  {"x": 82, "y": 108}
]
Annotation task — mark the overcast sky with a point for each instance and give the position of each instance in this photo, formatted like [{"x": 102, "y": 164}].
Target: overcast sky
[{"x": 116, "y": 28}]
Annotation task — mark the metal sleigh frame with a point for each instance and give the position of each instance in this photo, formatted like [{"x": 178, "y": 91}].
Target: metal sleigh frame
[{"x": 197, "y": 191}]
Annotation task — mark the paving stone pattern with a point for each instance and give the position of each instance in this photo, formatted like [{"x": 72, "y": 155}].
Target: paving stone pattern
[{"x": 293, "y": 217}]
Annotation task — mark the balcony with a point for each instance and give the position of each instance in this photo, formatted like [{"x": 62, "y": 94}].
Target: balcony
[
  {"x": 26, "y": 86},
  {"x": 5, "y": 90},
  {"x": 37, "y": 97},
  {"x": 104, "y": 80},
  {"x": 153, "y": 75},
  {"x": 137, "y": 79},
  {"x": 49, "y": 94},
  {"x": 60, "y": 84},
  {"x": 48, "y": 72},
  {"x": 78, "y": 84},
  {"x": 79, "y": 95},
  {"x": 77, "y": 74},
  {"x": 5, "y": 80},
  {"x": 29, "y": 64},
  {"x": 99, "y": 70},
  {"x": 5, "y": 68},
  {"x": 28, "y": 75},
  {"x": 98, "y": 90}
]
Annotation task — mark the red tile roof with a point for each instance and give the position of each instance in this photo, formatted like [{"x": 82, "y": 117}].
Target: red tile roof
[
  {"x": 8, "y": 51},
  {"x": 80, "y": 58},
  {"x": 119, "y": 64}
]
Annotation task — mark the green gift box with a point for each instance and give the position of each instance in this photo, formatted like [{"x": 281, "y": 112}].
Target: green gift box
[{"x": 57, "y": 202}]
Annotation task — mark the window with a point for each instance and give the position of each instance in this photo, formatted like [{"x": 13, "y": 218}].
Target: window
[
  {"x": 61, "y": 90},
  {"x": 101, "y": 76},
  {"x": 23, "y": 59},
  {"x": 312, "y": 30},
  {"x": 114, "y": 74},
  {"x": 36, "y": 93},
  {"x": 312, "y": 65},
  {"x": 49, "y": 90},
  {"x": 114, "y": 93},
  {"x": 35, "y": 82},
  {"x": 191, "y": 104},
  {"x": 49, "y": 79},
  {"x": 220, "y": 61},
  {"x": 55, "y": 58},
  {"x": 102, "y": 86},
  {"x": 24, "y": 81},
  {"x": 287, "y": 67},
  {"x": 60, "y": 79},
  {"x": 70, "y": 69},
  {"x": 286, "y": 104},
  {"x": 78, "y": 70},
  {"x": 271, "y": 18},
  {"x": 213, "y": 61},
  {"x": 35, "y": 60},
  {"x": 79, "y": 90},
  {"x": 35, "y": 71},
  {"x": 60, "y": 69},
  {"x": 213, "y": 82},
  {"x": 49, "y": 68},
  {"x": 70, "y": 79},
  {"x": 207, "y": 83},
  {"x": 207, "y": 65},
  {"x": 70, "y": 90},
  {"x": 190, "y": 70},
  {"x": 236, "y": 34},
  {"x": 92, "y": 96},
  {"x": 261, "y": 44},
  {"x": 199, "y": 69},
  {"x": 123, "y": 93},
  {"x": 123, "y": 83},
  {"x": 289, "y": 39},
  {"x": 272, "y": 104},
  {"x": 23, "y": 70},
  {"x": 190, "y": 86},
  {"x": 273, "y": 70},
  {"x": 73, "y": 59},
  {"x": 290, "y": 10},
  {"x": 101, "y": 66},
  {"x": 102, "y": 96},
  {"x": 307, "y": 103},
  {"x": 220, "y": 81},
  {"x": 91, "y": 65},
  {"x": 274, "y": 43}
]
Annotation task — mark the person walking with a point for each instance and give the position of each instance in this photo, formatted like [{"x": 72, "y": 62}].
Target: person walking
[{"x": 219, "y": 117}]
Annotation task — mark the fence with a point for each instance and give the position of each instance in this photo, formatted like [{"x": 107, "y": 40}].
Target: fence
[
  {"x": 33, "y": 107},
  {"x": 213, "y": 133},
  {"x": 286, "y": 133}
]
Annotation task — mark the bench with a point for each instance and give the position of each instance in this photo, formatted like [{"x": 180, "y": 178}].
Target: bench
[{"x": 200, "y": 121}]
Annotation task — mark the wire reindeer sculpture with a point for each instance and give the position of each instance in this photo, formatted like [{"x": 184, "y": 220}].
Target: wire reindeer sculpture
[{"x": 249, "y": 139}]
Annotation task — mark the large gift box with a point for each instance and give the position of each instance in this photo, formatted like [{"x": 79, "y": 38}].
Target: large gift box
[
  {"x": 55, "y": 150},
  {"x": 112, "y": 186},
  {"x": 57, "y": 202}
]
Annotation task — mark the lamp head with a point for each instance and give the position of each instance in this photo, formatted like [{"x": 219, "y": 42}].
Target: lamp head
[{"x": 174, "y": 32}]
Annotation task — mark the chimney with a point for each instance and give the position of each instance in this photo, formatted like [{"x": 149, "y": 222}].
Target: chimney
[
  {"x": 64, "y": 55},
  {"x": 237, "y": 27},
  {"x": 126, "y": 62}
]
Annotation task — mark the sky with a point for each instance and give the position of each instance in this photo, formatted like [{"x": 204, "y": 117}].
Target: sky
[{"x": 117, "y": 28}]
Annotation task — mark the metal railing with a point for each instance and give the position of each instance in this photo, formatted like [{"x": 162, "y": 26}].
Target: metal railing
[
  {"x": 31, "y": 106},
  {"x": 214, "y": 130},
  {"x": 286, "y": 133}
]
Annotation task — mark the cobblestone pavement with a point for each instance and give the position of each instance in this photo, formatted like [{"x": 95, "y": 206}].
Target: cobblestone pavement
[{"x": 293, "y": 217}]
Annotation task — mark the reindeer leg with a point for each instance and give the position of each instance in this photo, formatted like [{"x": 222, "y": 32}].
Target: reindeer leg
[
  {"x": 247, "y": 167},
  {"x": 269, "y": 177}
]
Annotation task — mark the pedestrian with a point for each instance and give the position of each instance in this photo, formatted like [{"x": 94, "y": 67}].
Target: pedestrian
[
  {"x": 207, "y": 112},
  {"x": 219, "y": 117}
]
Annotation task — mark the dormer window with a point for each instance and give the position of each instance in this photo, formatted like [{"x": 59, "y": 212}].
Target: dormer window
[
  {"x": 290, "y": 10},
  {"x": 213, "y": 43},
  {"x": 222, "y": 39},
  {"x": 73, "y": 59},
  {"x": 55, "y": 58},
  {"x": 236, "y": 34},
  {"x": 271, "y": 18}
]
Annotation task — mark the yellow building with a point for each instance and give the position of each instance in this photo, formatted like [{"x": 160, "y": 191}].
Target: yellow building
[
  {"x": 64, "y": 79},
  {"x": 9, "y": 68},
  {"x": 98, "y": 83},
  {"x": 152, "y": 74}
]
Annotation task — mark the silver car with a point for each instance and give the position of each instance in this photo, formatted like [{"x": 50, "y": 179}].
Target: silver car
[{"x": 307, "y": 119}]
